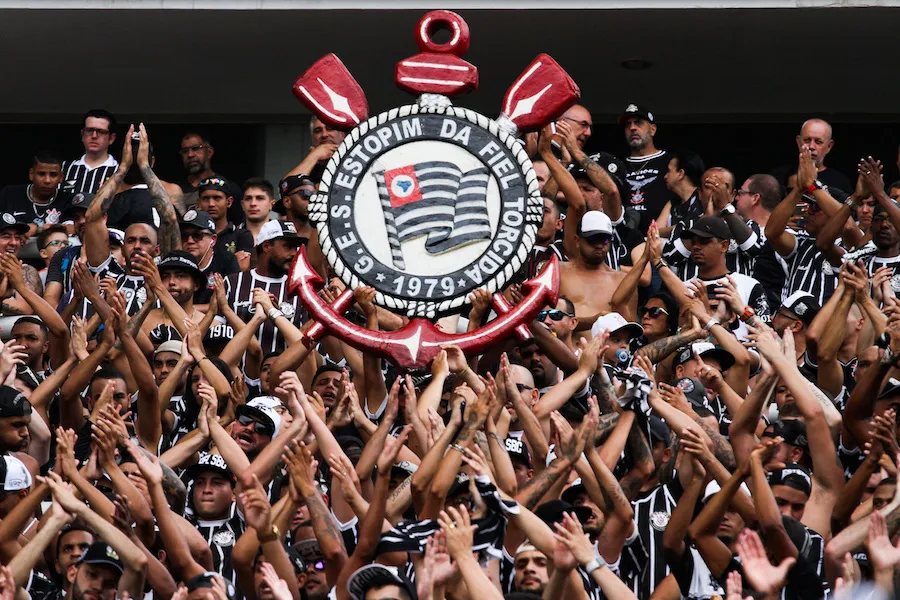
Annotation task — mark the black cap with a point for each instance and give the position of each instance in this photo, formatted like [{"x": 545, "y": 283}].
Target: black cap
[
  {"x": 9, "y": 221},
  {"x": 213, "y": 183},
  {"x": 299, "y": 563},
  {"x": 891, "y": 389},
  {"x": 182, "y": 260},
  {"x": 609, "y": 163},
  {"x": 101, "y": 553},
  {"x": 80, "y": 201},
  {"x": 199, "y": 219},
  {"x": 376, "y": 575},
  {"x": 219, "y": 333},
  {"x": 571, "y": 493},
  {"x": 291, "y": 183},
  {"x": 209, "y": 462},
  {"x": 705, "y": 350},
  {"x": 205, "y": 580},
  {"x": 635, "y": 110},
  {"x": 793, "y": 475},
  {"x": 803, "y": 305},
  {"x": 13, "y": 403},
  {"x": 693, "y": 390},
  {"x": 352, "y": 445},
  {"x": 552, "y": 511},
  {"x": 517, "y": 451},
  {"x": 793, "y": 431},
  {"x": 709, "y": 227},
  {"x": 659, "y": 430}
]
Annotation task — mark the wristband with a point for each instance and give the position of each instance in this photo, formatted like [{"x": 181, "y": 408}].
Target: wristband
[
  {"x": 598, "y": 563},
  {"x": 274, "y": 313},
  {"x": 710, "y": 324},
  {"x": 748, "y": 314},
  {"x": 812, "y": 188},
  {"x": 849, "y": 201}
]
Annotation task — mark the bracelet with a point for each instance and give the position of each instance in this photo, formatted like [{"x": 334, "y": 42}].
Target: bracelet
[
  {"x": 711, "y": 323},
  {"x": 748, "y": 313},
  {"x": 457, "y": 447},
  {"x": 812, "y": 188},
  {"x": 269, "y": 536},
  {"x": 660, "y": 264},
  {"x": 598, "y": 563},
  {"x": 274, "y": 313}
]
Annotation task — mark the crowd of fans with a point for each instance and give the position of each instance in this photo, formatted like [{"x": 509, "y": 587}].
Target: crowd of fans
[{"x": 709, "y": 411}]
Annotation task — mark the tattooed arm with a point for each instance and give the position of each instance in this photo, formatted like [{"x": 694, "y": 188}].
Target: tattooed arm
[
  {"x": 536, "y": 487},
  {"x": 612, "y": 201},
  {"x": 169, "y": 232},
  {"x": 659, "y": 350}
]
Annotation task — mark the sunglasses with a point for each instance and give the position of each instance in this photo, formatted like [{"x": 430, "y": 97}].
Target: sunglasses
[
  {"x": 197, "y": 236},
  {"x": 305, "y": 194},
  {"x": 318, "y": 565},
  {"x": 555, "y": 314},
  {"x": 522, "y": 387},
  {"x": 596, "y": 240},
  {"x": 654, "y": 312},
  {"x": 260, "y": 428}
]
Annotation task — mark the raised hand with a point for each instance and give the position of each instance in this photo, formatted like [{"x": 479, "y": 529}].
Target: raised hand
[
  {"x": 456, "y": 360},
  {"x": 11, "y": 356},
  {"x": 478, "y": 461},
  {"x": 481, "y": 303},
  {"x": 882, "y": 553},
  {"x": 301, "y": 466},
  {"x": 726, "y": 291},
  {"x": 148, "y": 465},
  {"x": 765, "y": 577},
  {"x": 806, "y": 171},
  {"x": 62, "y": 494},
  {"x": 345, "y": 472},
  {"x": 693, "y": 444},
  {"x": 256, "y": 508},
  {"x": 766, "y": 450},
  {"x": 570, "y": 533},
  {"x": 392, "y": 446},
  {"x": 143, "y": 265},
  {"x": 143, "y": 154},
  {"x": 365, "y": 298},
  {"x": 870, "y": 171},
  {"x": 675, "y": 397},
  {"x": 278, "y": 586},
  {"x": 439, "y": 365},
  {"x": 458, "y": 529}
]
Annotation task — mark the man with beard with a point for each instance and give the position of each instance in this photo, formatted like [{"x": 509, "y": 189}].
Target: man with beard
[
  {"x": 11, "y": 236},
  {"x": 296, "y": 191},
  {"x": 586, "y": 279},
  {"x": 198, "y": 237},
  {"x": 545, "y": 243},
  {"x": 325, "y": 141},
  {"x": 276, "y": 247},
  {"x": 530, "y": 570},
  {"x": 214, "y": 200},
  {"x": 196, "y": 155},
  {"x": 647, "y": 167},
  {"x": 544, "y": 371},
  {"x": 561, "y": 321},
  {"x": 39, "y": 203},
  {"x": 15, "y": 419}
]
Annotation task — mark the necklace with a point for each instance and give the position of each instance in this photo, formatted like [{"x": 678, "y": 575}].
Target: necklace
[{"x": 35, "y": 204}]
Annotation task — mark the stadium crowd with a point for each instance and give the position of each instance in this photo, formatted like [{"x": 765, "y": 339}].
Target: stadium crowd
[{"x": 709, "y": 411}]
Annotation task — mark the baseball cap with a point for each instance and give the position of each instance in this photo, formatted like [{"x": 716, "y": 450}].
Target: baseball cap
[
  {"x": 205, "y": 580},
  {"x": 292, "y": 182},
  {"x": 614, "y": 322},
  {"x": 609, "y": 163},
  {"x": 635, "y": 110},
  {"x": 803, "y": 305},
  {"x": 594, "y": 223},
  {"x": 173, "y": 346},
  {"x": 369, "y": 576},
  {"x": 693, "y": 390},
  {"x": 571, "y": 493},
  {"x": 13, "y": 403},
  {"x": 517, "y": 451},
  {"x": 705, "y": 350},
  {"x": 352, "y": 446},
  {"x": 713, "y": 488},
  {"x": 219, "y": 333},
  {"x": 9, "y": 221},
  {"x": 794, "y": 476},
  {"x": 101, "y": 553},
  {"x": 709, "y": 227},
  {"x": 793, "y": 431},
  {"x": 297, "y": 561},
  {"x": 263, "y": 408},
  {"x": 275, "y": 229},
  {"x": 199, "y": 219},
  {"x": 116, "y": 236},
  {"x": 209, "y": 462},
  {"x": 80, "y": 201},
  {"x": 552, "y": 511},
  {"x": 182, "y": 260},
  {"x": 659, "y": 430},
  {"x": 213, "y": 183},
  {"x": 879, "y": 210},
  {"x": 891, "y": 389},
  {"x": 14, "y": 475}
]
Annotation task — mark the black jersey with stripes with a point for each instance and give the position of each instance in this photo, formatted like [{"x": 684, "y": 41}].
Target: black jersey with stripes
[
  {"x": 651, "y": 516},
  {"x": 78, "y": 177},
  {"x": 18, "y": 201},
  {"x": 239, "y": 291},
  {"x": 740, "y": 258},
  {"x": 809, "y": 271},
  {"x": 221, "y": 535}
]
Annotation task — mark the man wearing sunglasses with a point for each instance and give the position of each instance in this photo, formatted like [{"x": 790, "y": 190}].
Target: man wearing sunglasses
[
  {"x": 587, "y": 280},
  {"x": 560, "y": 320},
  {"x": 198, "y": 237},
  {"x": 296, "y": 192},
  {"x": 215, "y": 199},
  {"x": 196, "y": 154}
]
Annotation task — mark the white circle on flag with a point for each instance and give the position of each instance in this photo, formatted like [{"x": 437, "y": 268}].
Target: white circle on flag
[{"x": 403, "y": 186}]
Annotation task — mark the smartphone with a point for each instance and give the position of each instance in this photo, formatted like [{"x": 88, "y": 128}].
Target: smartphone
[
  {"x": 555, "y": 148},
  {"x": 135, "y": 144},
  {"x": 800, "y": 213}
]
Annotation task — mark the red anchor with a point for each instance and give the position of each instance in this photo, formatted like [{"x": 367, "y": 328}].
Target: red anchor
[{"x": 418, "y": 342}]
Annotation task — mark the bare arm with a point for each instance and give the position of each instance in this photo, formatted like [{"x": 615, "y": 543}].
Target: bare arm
[
  {"x": 169, "y": 231},
  {"x": 776, "y": 228}
]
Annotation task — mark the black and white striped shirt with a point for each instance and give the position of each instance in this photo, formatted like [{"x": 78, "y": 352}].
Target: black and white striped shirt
[
  {"x": 809, "y": 271},
  {"x": 221, "y": 536},
  {"x": 739, "y": 258},
  {"x": 651, "y": 516},
  {"x": 239, "y": 290},
  {"x": 132, "y": 286},
  {"x": 78, "y": 177},
  {"x": 892, "y": 262}
]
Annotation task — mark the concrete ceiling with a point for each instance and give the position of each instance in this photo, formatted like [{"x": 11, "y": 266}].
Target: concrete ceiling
[{"x": 723, "y": 65}]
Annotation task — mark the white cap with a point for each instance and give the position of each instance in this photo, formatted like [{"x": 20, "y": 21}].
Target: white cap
[
  {"x": 15, "y": 475},
  {"x": 173, "y": 346},
  {"x": 266, "y": 405},
  {"x": 593, "y": 223},
  {"x": 614, "y": 322},
  {"x": 275, "y": 229},
  {"x": 713, "y": 487}
]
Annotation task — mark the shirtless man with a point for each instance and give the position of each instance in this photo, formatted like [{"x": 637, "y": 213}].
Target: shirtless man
[{"x": 586, "y": 279}]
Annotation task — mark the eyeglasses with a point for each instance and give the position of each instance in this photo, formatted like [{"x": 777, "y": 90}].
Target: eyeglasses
[
  {"x": 554, "y": 313},
  {"x": 582, "y": 124},
  {"x": 599, "y": 239},
  {"x": 741, "y": 192},
  {"x": 653, "y": 312},
  {"x": 92, "y": 131},
  {"x": 260, "y": 428},
  {"x": 195, "y": 148},
  {"x": 197, "y": 236},
  {"x": 63, "y": 243},
  {"x": 522, "y": 387}
]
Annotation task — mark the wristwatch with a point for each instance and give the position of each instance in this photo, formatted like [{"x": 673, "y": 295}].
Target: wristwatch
[
  {"x": 269, "y": 536},
  {"x": 748, "y": 314},
  {"x": 728, "y": 210}
]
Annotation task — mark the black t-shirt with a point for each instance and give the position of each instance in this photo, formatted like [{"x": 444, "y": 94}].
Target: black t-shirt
[
  {"x": 235, "y": 212},
  {"x": 649, "y": 193},
  {"x": 131, "y": 206},
  {"x": 223, "y": 263},
  {"x": 625, "y": 239},
  {"x": 234, "y": 239},
  {"x": 14, "y": 200},
  {"x": 830, "y": 177}
]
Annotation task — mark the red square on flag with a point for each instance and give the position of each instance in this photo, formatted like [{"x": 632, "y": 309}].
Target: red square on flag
[{"x": 403, "y": 186}]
